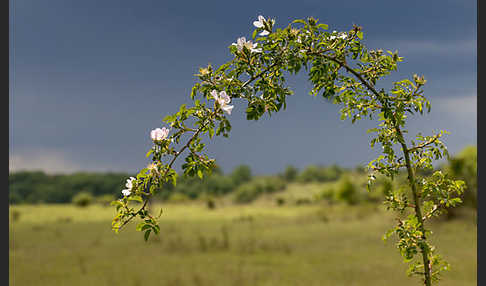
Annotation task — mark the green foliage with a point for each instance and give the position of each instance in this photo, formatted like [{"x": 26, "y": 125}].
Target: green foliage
[
  {"x": 105, "y": 200},
  {"x": 280, "y": 201},
  {"x": 313, "y": 173},
  {"x": 37, "y": 187},
  {"x": 464, "y": 166},
  {"x": 83, "y": 199},
  {"x": 303, "y": 201},
  {"x": 250, "y": 191},
  {"x": 178, "y": 198},
  {"x": 247, "y": 193},
  {"x": 218, "y": 185},
  {"x": 241, "y": 174},
  {"x": 326, "y": 194},
  {"x": 290, "y": 173},
  {"x": 346, "y": 191}
]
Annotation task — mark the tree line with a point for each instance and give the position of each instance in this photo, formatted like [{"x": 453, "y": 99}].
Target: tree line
[{"x": 38, "y": 187}]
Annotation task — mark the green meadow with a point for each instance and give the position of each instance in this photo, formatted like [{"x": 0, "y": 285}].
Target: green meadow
[{"x": 262, "y": 243}]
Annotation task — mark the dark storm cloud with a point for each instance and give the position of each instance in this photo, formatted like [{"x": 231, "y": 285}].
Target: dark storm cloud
[{"x": 90, "y": 79}]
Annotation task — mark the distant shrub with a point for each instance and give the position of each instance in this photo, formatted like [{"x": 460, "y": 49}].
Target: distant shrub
[
  {"x": 303, "y": 201},
  {"x": 105, "y": 200},
  {"x": 218, "y": 185},
  {"x": 346, "y": 191},
  {"x": 320, "y": 174},
  {"x": 326, "y": 194},
  {"x": 209, "y": 200},
  {"x": 82, "y": 199},
  {"x": 248, "y": 192},
  {"x": 241, "y": 174},
  {"x": 290, "y": 173},
  {"x": 464, "y": 166},
  {"x": 271, "y": 184},
  {"x": 280, "y": 201},
  {"x": 210, "y": 204},
  {"x": 178, "y": 198},
  {"x": 360, "y": 169}
]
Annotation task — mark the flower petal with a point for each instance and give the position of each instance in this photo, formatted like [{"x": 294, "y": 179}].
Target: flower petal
[
  {"x": 214, "y": 93},
  {"x": 228, "y": 108},
  {"x": 224, "y": 97},
  {"x": 258, "y": 24}
]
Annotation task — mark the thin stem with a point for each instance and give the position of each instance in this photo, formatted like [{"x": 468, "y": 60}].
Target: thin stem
[
  {"x": 423, "y": 145},
  {"x": 411, "y": 174}
]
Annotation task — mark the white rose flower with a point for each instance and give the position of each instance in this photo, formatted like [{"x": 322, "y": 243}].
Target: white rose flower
[
  {"x": 222, "y": 99},
  {"x": 129, "y": 186},
  {"x": 260, "y": 23},
  {"x": 159, "y": 134},
  {"x": 242, "y": 42},
  {"x": 215, "y": 95}
]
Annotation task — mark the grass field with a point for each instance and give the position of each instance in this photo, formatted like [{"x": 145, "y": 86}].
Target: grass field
[{"x": 258, "y": 244}]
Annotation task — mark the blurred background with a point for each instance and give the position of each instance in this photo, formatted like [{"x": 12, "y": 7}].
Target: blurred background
[{"x": 287, "y": 204}]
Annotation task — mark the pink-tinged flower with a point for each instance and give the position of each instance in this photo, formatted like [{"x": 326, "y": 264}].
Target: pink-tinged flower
[
  {"x": 215, "y": 94},
  {"x": 222, "y": 99},
  {"x": 159, "y": 134},
  {"x": 129, "y": 186},
  {"x": 242, "y": 42}
]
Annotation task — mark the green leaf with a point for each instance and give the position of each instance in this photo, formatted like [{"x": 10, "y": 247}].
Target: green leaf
[
  {"x": 193, "y": 92},
  {"x": 135, "y": 198},
  {"x": 299, "y": 21},
  {"x": 146, "y": 235},
  {"x": 211, "y": 132},
  {"x": 140, "y": 226},
  {"x": 160, "y": 213},
  {"x": 149, "y": 152},
  {"x": 146, "y": 226}
]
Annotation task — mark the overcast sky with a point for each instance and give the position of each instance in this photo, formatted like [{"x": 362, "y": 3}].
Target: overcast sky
[{"x": 90, "y": 79}]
